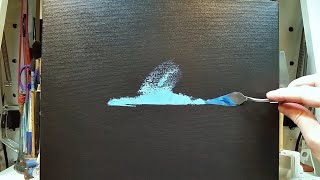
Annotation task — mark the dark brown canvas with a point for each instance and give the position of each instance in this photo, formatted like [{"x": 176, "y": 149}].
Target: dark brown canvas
[{"x": 95, "y": 50}]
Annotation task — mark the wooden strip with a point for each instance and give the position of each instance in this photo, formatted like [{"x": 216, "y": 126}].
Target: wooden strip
[
  {"x": 3, "y": 12},
  {"x": 38, "y": 6},
  {"x": 281, "y": 118},
  {"x": 33, "y": 150}
]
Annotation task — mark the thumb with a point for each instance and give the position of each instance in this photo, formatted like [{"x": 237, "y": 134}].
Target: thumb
[{"x": 307, "y": 122}]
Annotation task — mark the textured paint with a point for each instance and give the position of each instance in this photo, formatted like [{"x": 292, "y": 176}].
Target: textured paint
[
  {"x": 157, "y": 89},
  {"x": 160, "y": 97}
]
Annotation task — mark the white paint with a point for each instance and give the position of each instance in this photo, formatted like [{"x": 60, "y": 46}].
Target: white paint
[{"x": 157, "y": 89}]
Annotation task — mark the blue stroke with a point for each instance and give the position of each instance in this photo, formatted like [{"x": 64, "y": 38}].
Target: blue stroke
[{"x": 157, "y": 89}]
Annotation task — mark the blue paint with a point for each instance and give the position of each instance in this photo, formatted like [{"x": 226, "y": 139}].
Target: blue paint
[
  {"x": 157, "y": 89},
  {"x": 165, "y": 77},
  {"x": 159, "y": 97},
  {"x": 222, "y": 100}
]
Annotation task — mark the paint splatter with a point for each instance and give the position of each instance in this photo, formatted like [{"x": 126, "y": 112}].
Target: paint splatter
[{"x": 157, "y": 89}]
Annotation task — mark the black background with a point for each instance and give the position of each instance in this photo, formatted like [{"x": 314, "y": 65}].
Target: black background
[{"x": 95, "y": 50}]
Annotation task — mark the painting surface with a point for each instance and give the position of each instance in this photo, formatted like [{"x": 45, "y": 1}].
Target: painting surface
[{"x": 97, "y": 50}]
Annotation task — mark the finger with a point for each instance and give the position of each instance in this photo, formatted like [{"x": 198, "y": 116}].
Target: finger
[
  {"x": 300, "y": 115},
  {"x": 307, "y": 168},
  {"x": 310, "y": 80},
  {"x": 306, "y": 121},
  {"x": 306, "y": 95}
]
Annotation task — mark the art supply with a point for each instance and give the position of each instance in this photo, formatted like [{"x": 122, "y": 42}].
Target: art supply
[
  {"x": 26, "y": 87},
  {"x": 32, "y": 109},
  {"x": 33, "y": 138},
  {"x": 29, "y": 126},
  {"x": 32, "y": 172},
  {"x": 220, "y": 47},
  {"x": 24, "y": 129},
  {"x": 157, "y": 89},
  {"x": 30, "y": 163},
  {"x": 235, "y": 99}
]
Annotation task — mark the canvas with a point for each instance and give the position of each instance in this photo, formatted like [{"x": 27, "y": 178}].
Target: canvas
[{"x": 96, "y": 51}]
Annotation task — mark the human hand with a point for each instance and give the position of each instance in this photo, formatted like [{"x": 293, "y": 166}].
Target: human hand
[{"x": 301, "y": 92}]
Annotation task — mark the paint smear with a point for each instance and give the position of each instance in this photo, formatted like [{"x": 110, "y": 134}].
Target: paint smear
[
  {"x": 157, "y": 89},
  {"x": 222, "y": 100},
  {"x": 160, "y": 97}
]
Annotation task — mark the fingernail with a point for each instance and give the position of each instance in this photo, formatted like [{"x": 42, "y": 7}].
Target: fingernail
[{"x": 272, "y": 93}]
